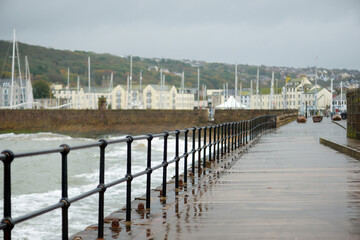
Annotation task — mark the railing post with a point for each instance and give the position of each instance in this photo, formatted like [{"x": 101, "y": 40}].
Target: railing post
[
  {"x": 228, "y": 136},
  {"x": 7, "y": 194},
  {"x": 251, "y": 129},
  {"x": 239, "y": 134},
  {"x": 129, "y": 179},
  {"x": 165, "y": 165},
  {"x": 204, "y": 153},
  {"x": 218, "y": 143},
  {"x": 222, "y": 139},
  {"x": 232, "y": 136},
  {"x": 275, "y": 120},
  {"x": 246, "y": 131},
  {"x": 101, "y": 185},
  {"x": 64, "y": 191},
  {"x": 193, "y": 151},
  {"x": 225, "y": 137},
  {"x": 236, "y": 134},
  {"x": 177, "y": 159},
  {"x": 186, "y": 155},
  {"x": 210, "y": 143},
  {"x": 149, "y": 171},
  {"x": 199, "y": 151}
]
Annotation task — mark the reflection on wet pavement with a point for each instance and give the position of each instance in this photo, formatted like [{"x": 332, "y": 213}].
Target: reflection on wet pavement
[{"x": 287, "y": 186}]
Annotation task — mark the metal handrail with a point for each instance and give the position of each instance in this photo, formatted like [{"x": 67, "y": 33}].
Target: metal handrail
[{"x": 222, "y": 139}]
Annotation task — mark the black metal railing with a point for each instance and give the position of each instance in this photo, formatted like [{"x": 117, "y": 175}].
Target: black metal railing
[{"x": 222, "y": 139}]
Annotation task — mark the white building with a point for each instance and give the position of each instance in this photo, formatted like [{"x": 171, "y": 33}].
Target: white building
[
  {"x": 155, "y": 97},
  {"x": 151, "y": 97},
  {"x": 21, "y": 94},
  {"x": 297, "y": 94}
]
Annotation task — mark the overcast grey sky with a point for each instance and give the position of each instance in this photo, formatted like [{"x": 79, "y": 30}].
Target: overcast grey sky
[{"x": 273, "y": 33}]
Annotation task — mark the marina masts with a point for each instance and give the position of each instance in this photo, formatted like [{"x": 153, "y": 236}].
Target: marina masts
[
  {"x": 316, "y": 85},
  {"x": 130, "y": 85},
  {"x": 198, "y": 87},
  {"x": 89, "y": 73},
  {"x": 141, "y": 96},
  {"x": 331, "y": 99},
  {"x": 68, "y": 85},
  {"x": 22, "y": 100},
  {"x": 12, "y": 71},
  {"x": 257, "y": 89},
  {"x": 236, "y": 82},
  {"x": 341, "y": 98},
  {"x": 272, "y": 92}
]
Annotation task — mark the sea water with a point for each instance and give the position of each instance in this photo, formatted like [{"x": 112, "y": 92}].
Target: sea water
[{"x": 36, "y": 181}]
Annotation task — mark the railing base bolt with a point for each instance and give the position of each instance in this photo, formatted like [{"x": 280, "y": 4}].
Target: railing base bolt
[
  {"x": 115, "y": 224},
  {"x": 141, "y": 207}
]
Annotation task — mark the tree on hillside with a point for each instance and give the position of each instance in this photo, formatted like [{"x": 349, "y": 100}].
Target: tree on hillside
[{"x": 41, "y": 89}]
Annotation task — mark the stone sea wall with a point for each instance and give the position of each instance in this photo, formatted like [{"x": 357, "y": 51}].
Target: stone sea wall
[
  {"x": 96, "y": 122},
  {"x": 353, "y": 113}
]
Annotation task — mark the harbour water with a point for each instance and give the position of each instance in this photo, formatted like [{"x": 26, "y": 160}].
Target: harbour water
[{"x": 36, "y": 181}]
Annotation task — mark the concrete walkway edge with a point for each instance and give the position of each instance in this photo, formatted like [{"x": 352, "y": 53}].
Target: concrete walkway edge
[{"x": 341, "y": 148}]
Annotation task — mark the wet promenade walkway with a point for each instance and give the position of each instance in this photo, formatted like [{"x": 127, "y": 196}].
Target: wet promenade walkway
[{"x": 288, "y": 186}]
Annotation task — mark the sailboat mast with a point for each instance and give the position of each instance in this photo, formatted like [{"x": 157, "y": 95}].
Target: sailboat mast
[
  {"x": 141, "y": 96},
  {"x": 26, "y": 80},
  {"x": 316, "y": 85},
  {"x": 240, "y": 93},
  {"x": 271, "y": 91},
  {"x": 127, "y": 92},
  {"x": 341, "y": 99},
  {"x": 130, "y": 91},
  {"x": 89, "y": 73},
  {"x": 236, "y": 82},
  {"x": 182, "y": 88},
  {"x": 111, "y": 84},
  {"x": 198, "y": 87},
  {"x": 257, "y": 88},
  {"x": 140, "y": 80},
  {"x": 20, "y": 77},
  {"x": 251, "y": 88},
  {"x": 163, "y": 90},
  {"x": 78, "y": 92},
  {"x": 68, "y": 85},
  {"x": 29, "y": 90},
  {"x": 331, "y": 90},
  {"x": 12, "y": 71}
]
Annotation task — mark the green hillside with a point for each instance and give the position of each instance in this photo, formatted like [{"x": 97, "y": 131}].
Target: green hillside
[{"x": 51, "y": 65}]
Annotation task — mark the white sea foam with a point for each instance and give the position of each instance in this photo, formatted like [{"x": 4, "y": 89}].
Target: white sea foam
[{"x": 83, "y": 176}]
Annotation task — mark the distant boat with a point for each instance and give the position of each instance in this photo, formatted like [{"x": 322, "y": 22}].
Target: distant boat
[
  {"x": 317, "y": 118},
  {"x": 301, "y": 119}
]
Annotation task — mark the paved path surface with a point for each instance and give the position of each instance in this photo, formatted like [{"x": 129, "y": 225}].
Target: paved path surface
[{"x": 288, "y": 186}]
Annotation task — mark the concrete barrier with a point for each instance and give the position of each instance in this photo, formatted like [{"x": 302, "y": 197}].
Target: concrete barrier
[
  {"x": 93, "y": 123},
  {"x": 341, "y": 148}
]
